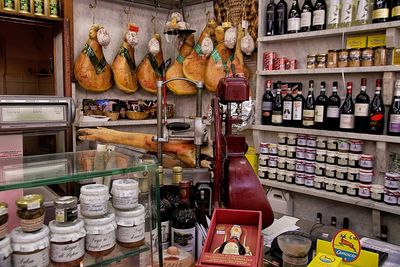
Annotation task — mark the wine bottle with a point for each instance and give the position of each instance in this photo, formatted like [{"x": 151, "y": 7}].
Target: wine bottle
[
  {"x": 233, "y": 246},
  {"x": 319, "y": 15},
  {"x": 287, "y": 115},
  {"x": 298, "y": 104},
  {"x": 380, "y": 12},
  {"x": 332, "y": 111},
  {"x": 377, "y": 111},
  {"x": 281, "y": 20},
  {"x": 271, "y": 18},
  {"x": 347, "y": 111},
  {"x": 165, "y": 211},
  {"x": 394, "y": 112},
  {"x": 294, "y": 18},
  {"x": 361, "y": 113},
  {"x": 395, "y": 13},
  {"x": 173, "y": 190},
  {"x": 321, "y": 104},
  {"x": 362, "y": 15},
  {"x": 306, "y": 16},
  {"x": 333, "y": 14},
  {"x": 277, "y": 108},
  {"x": 267, "y": 102},
  {"x": 346, "y": 17},
  {"x": 309, "y": 107},
  {"x": 183, "y": 221}
]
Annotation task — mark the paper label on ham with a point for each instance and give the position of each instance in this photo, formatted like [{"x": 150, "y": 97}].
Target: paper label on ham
[{"x": 98, "y": 65}]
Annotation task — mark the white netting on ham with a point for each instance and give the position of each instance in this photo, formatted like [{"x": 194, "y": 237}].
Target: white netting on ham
[
  {"x": 247, "y": 44},
  {"x": 103, "y": 37},
  {"x": 230, "y": 38},
  {"x": 132, "y": 38},
  {"x": 153, "y": 46},
  {"x": 207, "y": 46}
]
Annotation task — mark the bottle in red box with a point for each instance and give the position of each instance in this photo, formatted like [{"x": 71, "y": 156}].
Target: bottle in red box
[{"x": 233, "y": 245}]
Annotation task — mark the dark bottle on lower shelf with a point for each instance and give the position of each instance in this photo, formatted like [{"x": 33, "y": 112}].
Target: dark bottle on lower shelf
[
  {"x": 394, "y": 112},
  {"x": 333, "y": 109},
  {"x": 320, "y": 108},
  {"x": 282, "y": 17},
  {"x": 267, "y": 102},
  {"x": 271, "y": 19},
  {"x": 309, "y": 107},
  {"x": 347, "y": 111},
  {"x": 361, "y": 112},
  {"x": 377, "y": 111},
  {"x": 165, "y": 211},
  {"x": 287, "y": 114},
  {"x": 277, "y": 108},
  {"x": 298, "y": 105},
  {"x": 172, "y": 191}
]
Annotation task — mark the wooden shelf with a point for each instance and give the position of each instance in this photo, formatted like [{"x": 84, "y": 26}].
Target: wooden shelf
[
  {"x": 328, "y": 133},
  {"x": 80, "y": 124},
  {"x": 366, "y": 203},
  {"x": 390, "y": 68},
  {"x": 331, "y": 32}
]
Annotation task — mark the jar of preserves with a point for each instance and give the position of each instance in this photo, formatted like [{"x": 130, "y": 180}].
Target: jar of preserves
[
  {"x": 263, "y": 172},
  {"x": 352, "y": 189},
  {"x": 342, "y": 159},
  {"x": 5, "y": 252},
  {"x": 130, "y": 226},
  {"x": 354, "y": 57},
  {"x": 309, "y": 181},
  {"x": 330, "y": 171},
  {"x": 343, "y": 58},
  {"x": 333, "y": 57},
  {"x": 321, "y": 142},
  {"x": 282, "y": 138},
  {"x": 67, "y": 237},
  {"x": 300, "y": 152},
  {"x": 3, "y": 219},
  {"x": 343, "y": 145},
  {"x": 310, "y": 154},
  {"x": 364, "y": 190},
  {"x": 273, "y": 149},
  {"x": 353, "y": 174},
  {"x": 366, "y": 176},
  {"x": 341, "y": 173},
  {"x": 291, "y": 139},
  {"x": 331, "y": 157},
  {"x": 367, "y": 162},
  {"x": 321, "y": 155},
  {"x": 390, "y": 197},
  {"x": 30, "y": 210},
  {"x": 281, "y": 163},
  {"x": 340, "y": 187},
  {"x": 354, "y": 160},
  {"x": 300, "y": 165},
  {"x": 272, "y": 173},
  {"x": 273, "y": 161},
  {"x": 356, "y": 146},
  {"x": 291, "y": 152},
  {"x": 380, "y": 56},
  {"x": 301, "y": 140},
  {"x": 282, "y": 150},
  {"x": 332, "y": 144},
  {"x": 125, "y": 194},
  {"x": 32, "y": 247},
  {"x": 320, "y": 169},
  {"x": 377, "y": 192},
  {"x": 319, "y": 182},
  {"x": 392, "y": 181},
  {"x": 299, "y": 178},
  {"x": 100, "y": 235},
  {"x": 291, "y": 164},
  {"x": 263, "y": 160},
  {"x": 321, "y": 61},
  {"x": 309, "y": 167},
  {"x": 263, "y": 148},
  {"x": 311, "y": 141},
  {"x": 94, "y": 200},
  {"x": 66, "y": 209},
  {"x": 311, "y": 62},
  {"x": 290, "y": 177},
  {"x": 330, "y": 185},
  {"x": 367, "y": 57},
  {"x": 281, "y": 175}
]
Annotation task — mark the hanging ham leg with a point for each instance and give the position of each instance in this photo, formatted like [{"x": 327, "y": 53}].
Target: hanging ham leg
[{"x": 238, "y": 61}]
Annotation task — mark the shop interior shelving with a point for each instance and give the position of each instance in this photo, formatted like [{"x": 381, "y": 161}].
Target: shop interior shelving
[
  {"x": 376, "y": 69},
  {"x": 122, "y": 122}
]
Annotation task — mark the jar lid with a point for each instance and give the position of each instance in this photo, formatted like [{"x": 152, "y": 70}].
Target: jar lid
[
  {"x": 125, "y": 184},
  {"x": 356, "y": 141},
  {"x": 319, "y": 179},
  {"x": 332, "y": 139},
  {"x": 3, "y": 208},
  {"x": 322, "y": 138},
  {"x": 262, "y": 168},
  {"x": 311, "y": 55},
  {"x": 273, "y": 145},
  {"x": 66, "y": 201},
  {"x": 177, "y": 169},
  {"x": 281, "y": 171},
  {"x": 392, "y": 175},
  {"x": 272, "y": 170},
  {"x": 291, "y": 136},
  {"x": 30, "y": 202},
  {"x": 94, "y": 189},
  {"x": 329, "y": 152},
  {"x": 291, "y": 148},
  {"x": 320, "y": 164},
  {"x": 301, "y": 136},
  {"x": 366, "y": 171},
  {"x": 66, "y": 232},
  {"x": 310, "y": 176},
  {"x": 342, "y": 154},
  {"x": 282, "y": 146},
  {"x": 332, "y": 50},
  {"x": 311, "y": 150},
  {"x": 352, "y": 185},
  {"x": 321, "y": 151},
  {"x": 329, "y": 181},
  {"x": 139, "y": 210},
  {"x": 342, "y": 168},
  {"x": 299, "y": 174},
  {"x": 367, "y": 156},
  {"x": 321, "y": 55},
  {"x": 310, "y": 163},
  {"x": 300, "y": 161},
  {"x": 263, "y": 144},
  {"x": 273, "y": 157},
  {"x": 330, "y": 166},
  {"x": 109, "y": 217},
  {"x": 390, "y": 191},
  {"x": 289, "y": 173},
  {"x": 311, "y": 137},
  {"x": 342, "y": 183},
  {"x": 28, "y": 242},
  {"x": 282, "y": 159}
]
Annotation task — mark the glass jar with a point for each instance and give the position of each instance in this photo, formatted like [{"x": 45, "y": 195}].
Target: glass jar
[
  {"x": 380, "y": 56},
  {"x": 5, "y": 252},
  {"x": 311, "y": 62},
  {"x": 290, "y": 177},
  {"x": 273, "y": 149},
  {"x": 377, "y": 192},
  {"x": 30, "y": 210},
  {"x": 282, "y": 163},
  {"x": 319, "y": 182},
  {"x": 263, "y": 160},
  {"x": 356, "y": 146},
  {"x": 291, "y": 152},
  {"x": 343, "y": 145},
  {"x": 263, "y": 172},
  {"x": 130, "y": 226},
  {"x": 67, "y": 237},
  {"x": 367, "y": 162},
  {"x": 390, "y": 197},
  {"x": 333, "y": 57},
  {"x": 311, "y": 141},
  {"x": 392, "y": 181},
  {"x": 282, "y": 139},
  {"x": 301, "y": 140},
  {"x": 300, "y": 152},
  {"x": 331, "y": 157},
  {"x": 320, "y": 169},
  {"x": 343, "y": 58},
  {"x": 340, "y": 187},
  {"x": 310, "y": 154},
  {"x": 353, "y": 174},
  {"x": 352, "y": 189},
  {"x": 367, "y": 57},
  {"x": 282, "y": 150},
  {"x": 291, "y": 164},
  {"x": 366, "y": 176},
  {"x": 343, "y": 159},
  {"x": 273, "y": 161},
  {"x": 291, "y": 139},
  {"x": 299, "y": 178},
  {"x": 309, "y": 167},
  {"x": 354, "y": 160},
  {"x": 125, "y": 194},
  {"x": 341, "y": 173},
  {"x": 332, "y": 144},
  {"x": 321, "y": 142},
  {"x": 32, "y": 247},
  {"x": 66, "y": 209},
  {"x": 354, "y": 57},
  {"x": 320, "y": 155},
  {"x": 94, "y": 200},
  {"x": 3, "y": 219},
  {"x": 364, "y": 190},
  {"x": 272, "y": 173},
  {"x": 263, "y": 148},
  {"x": 330, "y": 185},
  {"x": 100, "y": 235},
  {"x": 309, "y": 180},
  {"x": 281, "y": 175},
  {"x": 330, "y": 171},
  {"x": 321, "y": 61},
  {"x": 300, "y": 165}
]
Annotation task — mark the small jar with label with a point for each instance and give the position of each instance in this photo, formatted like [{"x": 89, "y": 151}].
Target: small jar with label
[
  {"x": 353, "y": 174},
  {"x": 332, "y": 144},
  {"x": 272, "y": 173},
  {"x": 311, "y": 141},
  {"x": 273, "y": 161},
  {"x": 320, "y": 169},
  {"x": 291, "y": 139},
  {"x": 281, "y": 175},
  {"x": 130, "y": 226},
  {"x": 263, "y": 172},
  {"x": 30, "y": 210},
  {"x": 366, "y": 176},
  {"x": 125, "y": 194},
  {"x": 300, "y": 166},
  {"x": 343, "y": 58},
  {"x": 309, "y": 167},
  {"x": 100, "y": 235},
  {"x": 321, "y": 61},
  {"x": 30, "y": 247},
  {"x": 282, "y": 137},
  {"x": 5, "y": 252},
  {"x": 330, "y": 171},
  {"x": 300, "y": 152},
  {"x": 367, "y": 162},
  {"x": 67, "y": 237},
  {"x": 311, "y": 61},
  {"x": 343, "y": 145},
  {"x": 333, "y": 57},
  {"x": 341, "y": 173},
  {"x": 377, "y": 192},
  {"x": 299, "y": 178},
  {"x": 392, "y": 181},
  {"x": 390, "y": 197},
  {"x": 3, "y": 219},
  {"x": 380, "y": 56},
  {"x": 340, "y": 187},
  {"x": 301, "y": 140},
  {"x": 264, "y": 148},
  {"x": 367, "y": 57},
  {"x": 343, "y": 159},
  {"x": 66, "y": 209},
  {"x": 291, "y": 164},
  {"x": 309, "y": 180},
  {"x": 319, "y": 182},
  {"x": 290, "y": 177},
  {"x": 356, "y": 146},
  {"x": 354, "y": 160},
  {"x": 352, "y": 189},
  {"x": 354, "y": 57},
  {"x": 330, "y": 185},
  {"x": 281, "y": 163},
  {"x": 321, "y": 142},
  {"x": 94, "y": 200},
  {"x": 331, "y": 157},
  {"x": 310, "y": 154},
  {"x": 291, "y": 152},
  {"x": 364, "y": 190},
  {"x": 263, "y": 160},
  {"x": 320, "y": 155},
  {"x": 273, "y": 149},
  {"x": 282, "y": 150}
]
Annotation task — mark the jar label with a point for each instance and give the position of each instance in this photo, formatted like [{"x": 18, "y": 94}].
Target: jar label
[
  {"x": 280, "y": 177},
  {"x": 264, "y": 150},
  {"x": 390, "y": 199},
  {"x": 330, "y": 173},
  {"x": 351, "y": 191},
  {"x": 294, "y": 24},
  {"x": 320, "y": 158},
  {"x": 305, "y": 20},
  {"x": 308, "y": 117},
  {"x": 24, "y": 6},
  {"x": 40, "y": 258},
  {"x": 68, "y": 252},
  {"x": 299, "y": 180},
  {"x": 130, "y": 234},
  {"x": 93, "y": 208},
  {"x": 311, "y": 142},
  {"x": 318, "y": 17},
  {"x": 319, "y": 171},
  {"x": 333, "y": 12},
  {"x": 342, "y": 161},
  {"x": 381, "y": 13},
  {"x": 184, "y": 239},
  {"x": 309, "y": 182},
  {"x": 366, "y": 163},
  {"x": 310, "y": 155},
  {"x": 347, "y": 121},
  {"x": 394, "y": 184},
  {"x": 277, "y": 118},
  {"x": 300, "y": 167},
  {"x": 356, "y": 147},
  {"x": 125, "y": 202},
  {"x": 165, "y": 231},
  {"x": 361, "y": 110},
  {"x": 365, "y": 192},
  {"x": 6, "y": 262},
  {"x": 39, "y": 7},
  {"x": 301, "y": 141},
  {"x": 319, "y": 113},
  {"x": 330, "y": 187},
  {"x": 394, "y": 123},
  {"x": 287, "y": 110},
  {"x": 395, "y": 11},
  {"x": 32, "y": 225},
  {"x": 100, "y": 242}
]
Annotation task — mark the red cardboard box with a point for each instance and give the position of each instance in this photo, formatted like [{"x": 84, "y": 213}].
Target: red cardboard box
[{"x": 221, "y": 223}]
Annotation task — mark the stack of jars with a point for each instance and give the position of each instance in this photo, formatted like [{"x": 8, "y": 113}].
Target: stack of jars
[{"x": 390, "y": 194}]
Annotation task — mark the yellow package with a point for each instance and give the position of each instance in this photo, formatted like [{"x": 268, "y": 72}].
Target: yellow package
[
  {"x": 326, "y": 260},
  {"x": 356, "y": 42},
  {"x": 252, "y": 158},
  {"x": 376, "y": 40}
]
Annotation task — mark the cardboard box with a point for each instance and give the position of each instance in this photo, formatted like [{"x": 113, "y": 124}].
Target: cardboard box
[
  {"x": 356, "y": 42},
  {"x": 326, "y": 260},
  {"x": 376, "y": 40},
  {"x": 221, "y": 223}
]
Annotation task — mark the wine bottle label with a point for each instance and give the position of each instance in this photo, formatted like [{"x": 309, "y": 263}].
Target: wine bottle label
[
  {"x": 332, "y": 112},
  {"x": 319, "y": 17},
  {"x": 305, "y": 20},
  {"x": 297, "y": 110},
  {"x": 347, "y": 9},
  {"x": 287, "y": 110},
  {"x": 382, "y": 13},
  {"x": 165, "y": 231},
  {"x": 184, "y": 239},
  {"x": 361, "y": 110},
  {"x": 394, "y": 123},
  {"x": 308, "y": 117},
  {"x": 362, "y": 10},
  {"x": 319, "y": 113},
  {"x": 294, "y": 24},
  {"x": 396, "y": 11},
  {"x": 267, "y": 106},
  {"x": 276, "y": 118},
  {"x": 333, "y": 12},
  {"x": 347, "y": 121}
]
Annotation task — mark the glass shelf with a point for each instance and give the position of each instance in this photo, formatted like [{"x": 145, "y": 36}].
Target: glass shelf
[{"x": 33, "y": 171}]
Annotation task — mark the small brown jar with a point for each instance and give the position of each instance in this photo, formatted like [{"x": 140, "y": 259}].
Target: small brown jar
[
  {"x": 321, "y": 61},
  {"x": 3, "y": 219},
  {"x": 31, "y": 212},
  {"x": 343, "y": 58},
  {"x": 311, "y": 62},
  {"x": 354, "y": 57},
  {"x": 367, "y": 57},
  {"x": 333, "y": 57},
  {"x": 380, "y": 56}
]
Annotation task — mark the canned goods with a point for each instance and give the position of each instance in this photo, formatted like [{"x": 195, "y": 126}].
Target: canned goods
[
  {"x": 292, "y": 64},
  {"x": 367, "y": 161},
  {"x": 25, "y": 6},
  {"x": 54, "y": 8},
  {"x": 309, "y": 180},
  {"x": 38, "y": 8},
  {"x": 333, "y": 57},
  {"x": 311, "y": 62},
  {"x": 280, "y": 63},
  {"x": 321, "y": 61},
  {"x": 343, "y": 58},
  {"x": 269, "y": 58},
  {"x": 364, "y": 190},
  {"x": 392, "y": 181}
]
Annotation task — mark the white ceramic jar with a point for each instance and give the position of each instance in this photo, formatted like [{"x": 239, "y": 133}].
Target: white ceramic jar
[
  {"x": 377, "y": 192},
  {"x": 31, "y": 248},
  {"x": 352, "y": 189},
  {"x": 100, "y": 234},
  {"x": 125, "y": 194},
  {"x": 281, "y": 175},
  {"x": 263, "y": 160},
  {"x": 263, "y": 172},
  {"x": 130, "y": 226},
  {"x": 94, "y": 200},
  {"x": 5, "y": 252}
]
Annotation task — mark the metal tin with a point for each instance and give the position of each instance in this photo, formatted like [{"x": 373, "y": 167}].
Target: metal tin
[
  {"x": 321, "y": 61},
  {"x": 54, "y": 8},
  {"x": 38, "y": 7},
  {"x": 292, "y": 63},
  {"x": 280, "y": 63},
  {"x": 269, "y": 58},
  {"x": 311, "y": 62},
  {"x": 25, "y": 6}
]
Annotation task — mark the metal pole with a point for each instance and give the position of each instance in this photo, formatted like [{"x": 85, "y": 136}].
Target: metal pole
[
  {"x": 159, "y": 121},
  {"x": 199, "y": 114}
]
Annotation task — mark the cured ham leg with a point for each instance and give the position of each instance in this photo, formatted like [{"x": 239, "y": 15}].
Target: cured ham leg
[
  {"x": 176, "y": 70},
  {"x": 194, "y": 65},
  {"x": 91, "y": 69},
  {"x": 218, "y": 62},
  {"x": 238, "y": 61}
]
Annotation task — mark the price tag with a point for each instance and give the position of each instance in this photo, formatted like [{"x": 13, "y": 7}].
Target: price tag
[{"x": 245, "y": 24}]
